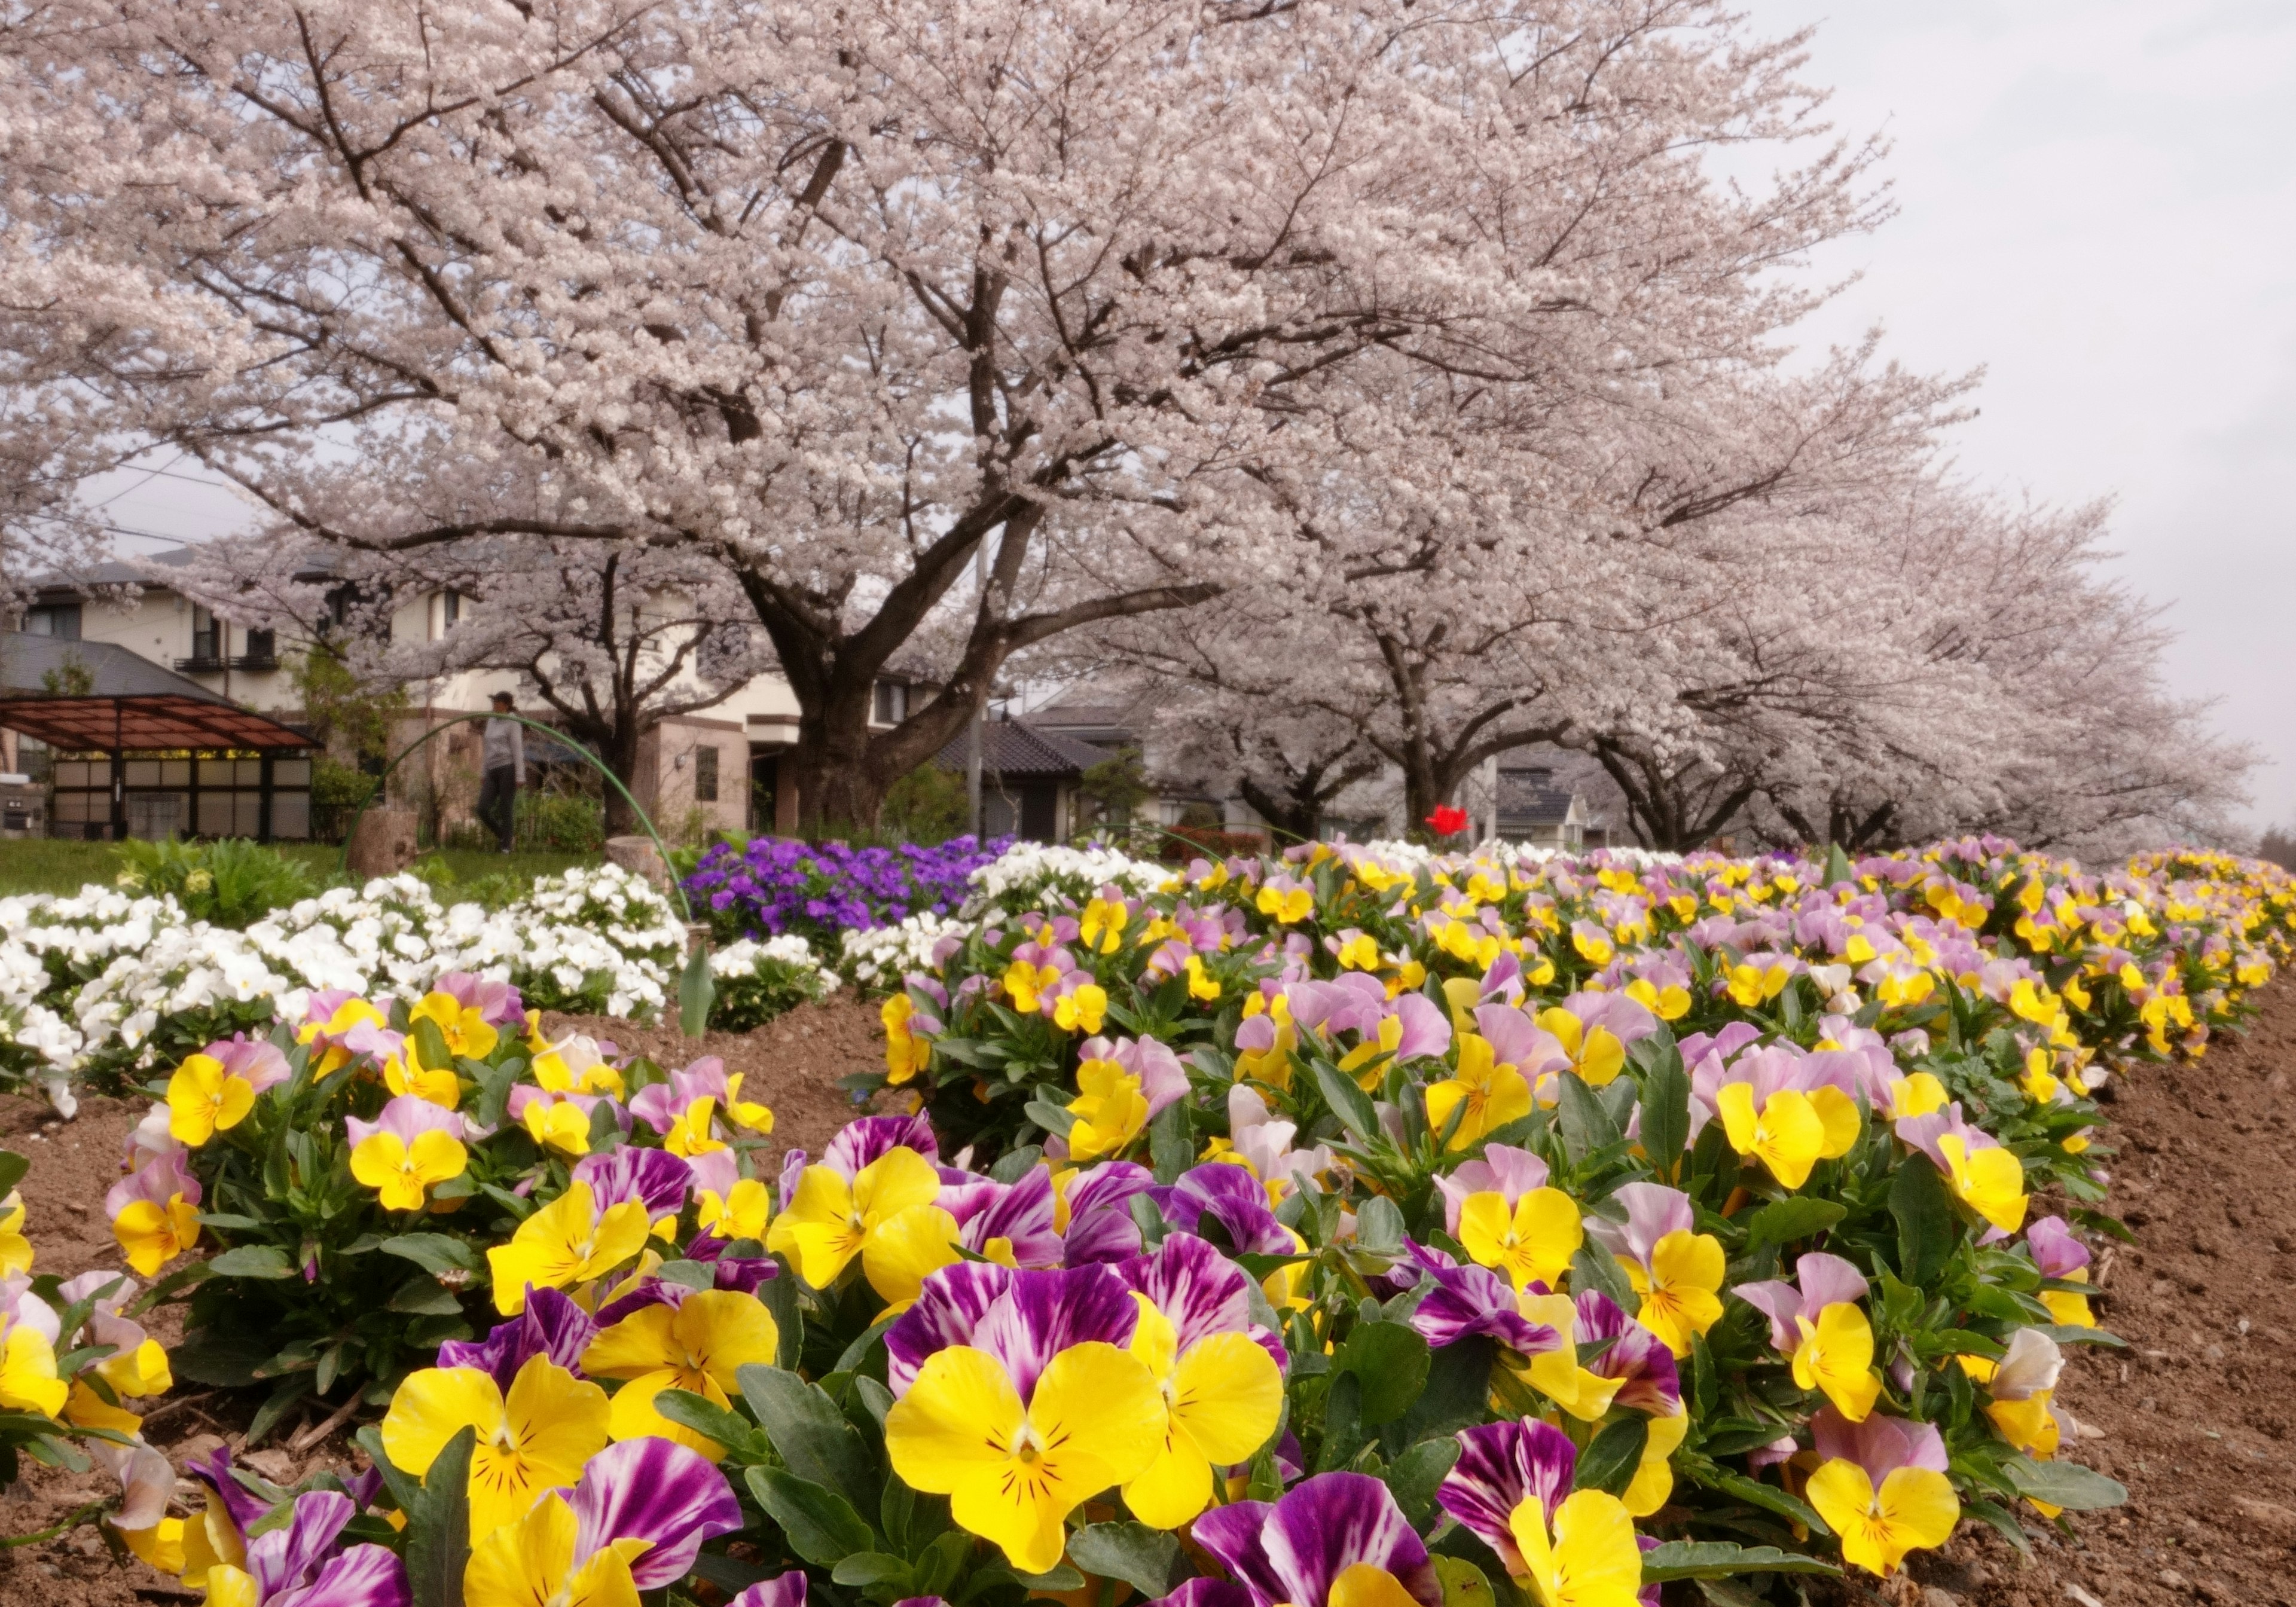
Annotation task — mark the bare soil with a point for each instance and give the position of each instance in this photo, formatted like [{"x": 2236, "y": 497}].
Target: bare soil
[
  {"x": 792, "y": 1063},
  {"x": 2196, "y": 1416}
]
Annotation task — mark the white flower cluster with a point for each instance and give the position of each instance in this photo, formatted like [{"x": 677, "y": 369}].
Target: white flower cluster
[
  {"x": 137, "y": 974},
  {"x": 881, "y": 956},
  {"x": 1026, "y": 872},
  {"x": 748, "y": 958}
]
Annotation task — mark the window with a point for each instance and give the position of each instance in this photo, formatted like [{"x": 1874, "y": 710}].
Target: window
[
  {"x": 57, "y": 620},
  {"x": 892, "y": 703},
  {"x": 207, "y": 634},
  {"x": 705, "y": 775},
  {"x": 262, "y": 647},
  {"x": 450, "y": 610}
]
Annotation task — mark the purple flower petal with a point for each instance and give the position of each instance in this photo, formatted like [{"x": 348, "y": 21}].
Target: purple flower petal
[
  {"x": 1500, "y": 1466},
  {"x": 1653, "y": 1383},
  {"x": 1231, "y": 1196},
  {"x": 654, "y": 1178},
  {"x": 283, "y": 1558},
  {"x": 1331, "y": 1522},
  {"x": 245, "y": 1506},
  {"x": 1468, "y": 1300},
  {"x": 948, "y": 1309},
  {"x": 1021, "y": 1213},
  {"x": 1202, "y": 1592},
  {"x": 1044, "y": 1313},
  {"x": 864, "y": 1138},
  {"x": 1200, "y": 1290},
  {"x": 551, "y": 1325},
  {"x": 365, "y": 1576},
  {"x": 784, "y": 1590},
  {"x": 1101, "y": 1227},
  {"x": 659, "y": 1491}
]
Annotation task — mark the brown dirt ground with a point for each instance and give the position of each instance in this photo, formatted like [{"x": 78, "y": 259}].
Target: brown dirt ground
[
  {"x": 792, "y": 1063},
  {"x": 2194, "y": 1417}
]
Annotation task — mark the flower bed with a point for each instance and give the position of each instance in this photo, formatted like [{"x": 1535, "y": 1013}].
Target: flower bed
[
  {"x": 775, "y": 885},
  {"x": 1437, "y": 1228}
]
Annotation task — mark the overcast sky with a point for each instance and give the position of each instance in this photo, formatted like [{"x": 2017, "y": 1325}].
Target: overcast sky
[{"x": 2097, "y": 203}]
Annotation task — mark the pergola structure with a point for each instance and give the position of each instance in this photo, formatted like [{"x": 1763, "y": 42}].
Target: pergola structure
[{"x": 141, "y": 751}]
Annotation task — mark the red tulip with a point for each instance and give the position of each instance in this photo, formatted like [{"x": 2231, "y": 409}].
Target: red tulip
[{"x": 1447, "y": 821}]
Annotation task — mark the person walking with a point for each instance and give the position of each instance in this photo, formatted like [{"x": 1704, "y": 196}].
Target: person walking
[{"x": 502, "y": 760}]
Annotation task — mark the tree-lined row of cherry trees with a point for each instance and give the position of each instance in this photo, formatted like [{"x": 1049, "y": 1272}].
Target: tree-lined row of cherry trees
[{"x": 1399, "y": 378}]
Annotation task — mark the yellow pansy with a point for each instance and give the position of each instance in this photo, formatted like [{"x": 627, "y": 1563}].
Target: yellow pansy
[
  {"x": 1013, "y": 1470},
  {"x": 534, "y": 1438},
  {"x": 1914, "y": 1509},
  {"x": 204, "y": 1099},
  {"x": 1835, "y": 1354},
  {"x": 569, "y": 1240},
  {"x": 1110, "y": 1110},
  {"x": 697, "y": 1345},
  {"x": 1485, "y": 1093},
  {"x": 1588, "y": 1557},
  {"x": 1222, "y": 1398},
  {"x": 1532, "y": 1242},
  {"x": 885, "y": 1216}
]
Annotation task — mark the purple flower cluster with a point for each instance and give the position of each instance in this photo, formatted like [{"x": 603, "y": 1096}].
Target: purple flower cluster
[{"x": 779, "y": 884}]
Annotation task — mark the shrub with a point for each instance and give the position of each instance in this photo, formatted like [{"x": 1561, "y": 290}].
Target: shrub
[
  {"x": 228, "y": 882},
  {"x": 756, "y": 981}
]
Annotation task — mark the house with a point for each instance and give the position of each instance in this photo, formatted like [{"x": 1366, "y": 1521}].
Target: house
[
  {"x": 718, "y": 768},
  {"x": 1113, "y": 716},
  {"x": 1530, "y": 809},
  {"x": 1028, "y": 777}
]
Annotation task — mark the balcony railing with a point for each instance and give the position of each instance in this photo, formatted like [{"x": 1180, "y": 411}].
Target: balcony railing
[
  {"x": 256, "y": 661},
  {"x": 200, "y": 664}
]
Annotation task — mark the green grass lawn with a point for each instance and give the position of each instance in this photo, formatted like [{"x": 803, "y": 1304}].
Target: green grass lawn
[{"x": 41, "y": 865}]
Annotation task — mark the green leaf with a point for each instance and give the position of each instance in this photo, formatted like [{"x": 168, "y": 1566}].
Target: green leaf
[
  {"x": 430, "y": 1043},
  {"x": 1665, "y": 1112},
  {"x": 1379, "y": 1225},
  {"x": 1595, "y": 1268},
  {"x": 820, "y": 1525},
  {"x": 1463, "y": 1584},
  {"x": 1171, "y": 1149},
  {"x": 1390, "y": 1361},
  {"x": 277, "y": 1404},
  {"x": 425, "y": 1297},
  {"x": 439, "y": 1528},
  {"x": 404, "y": 1489},
  {"x": 1141, "y": 1556},
  {"x": 864, "y": 1569},
  {"x": 1611, "y": 1458},
  {"x": 1586, "y": 1126},
  {"x": 1458, "y": 1389},
  {"x": 1056, "y": 1120},
  {"x": 779, "y": 1296},
  {"x": 252, "y": 1261},
  {"x": 1413, "y": 1477},
  {"x": 2066, "y": 1484},
  {"x": 494, "y": 1083},
  {"x": 1769, "y": 1497},
  {"x": 706, "y": 1417},
  {"x": 696, "y": 990},
  {"x": 1927, "y": 1227},
  {"x": 433, "y": 1252},
  {"x": 1347, "y": 1102},
  {"x": 812, "y": 1436},
  {"x": 1838, "y": 868},
  {"x": 1714, "y": 1559},
  {"x": 2004, "y": 1521},
  {"x": 1788, "y": 1221},
  {"x": 12, "y": 1167},
  {"x": 204, "y": 1360},
  {"x": 1059, "y": 1576}
]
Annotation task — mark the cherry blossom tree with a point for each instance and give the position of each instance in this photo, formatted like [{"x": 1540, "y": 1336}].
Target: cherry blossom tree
[{"x": 843, "y": 298}]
